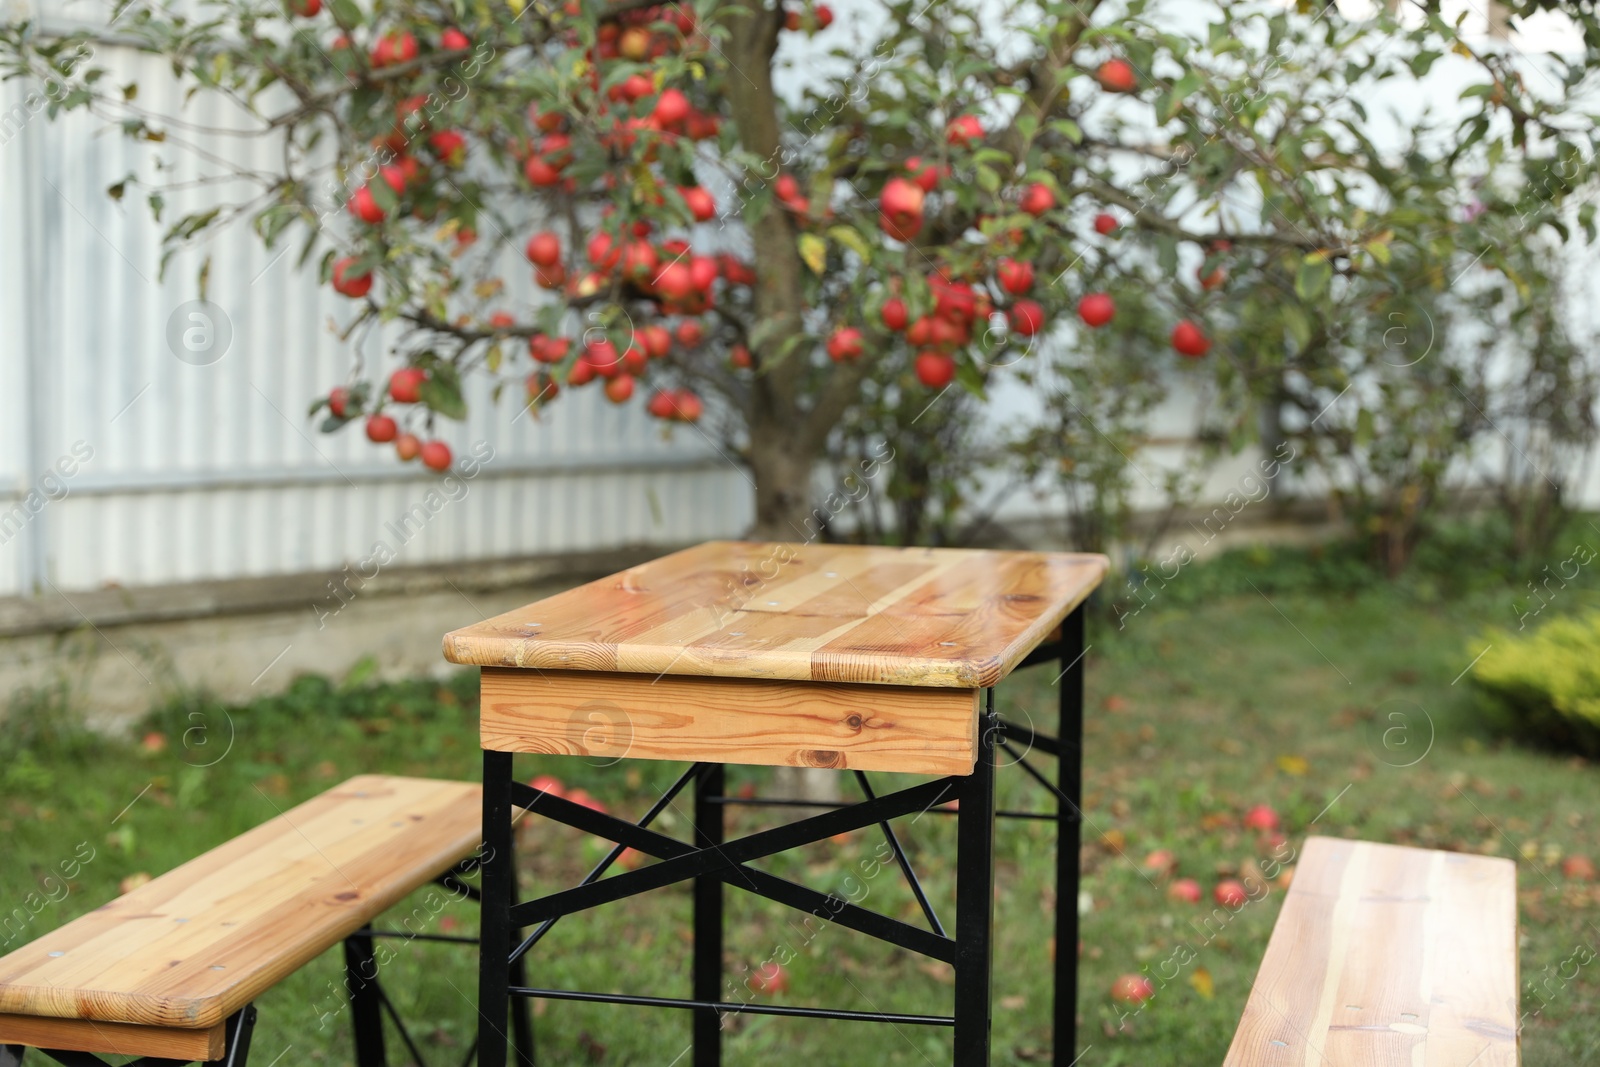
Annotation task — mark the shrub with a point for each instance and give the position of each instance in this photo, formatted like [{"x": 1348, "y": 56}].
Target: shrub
[{"x": 1546, "y": 686}]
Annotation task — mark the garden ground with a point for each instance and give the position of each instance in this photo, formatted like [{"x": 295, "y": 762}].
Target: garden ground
[{"x": 1347, "y": 713}]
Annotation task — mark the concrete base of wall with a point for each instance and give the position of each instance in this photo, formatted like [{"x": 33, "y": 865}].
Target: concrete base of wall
[{"x": 121, "y": 652}]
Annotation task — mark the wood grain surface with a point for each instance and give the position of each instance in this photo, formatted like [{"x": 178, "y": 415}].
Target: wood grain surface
[
  {"x": 191, "y": 947},
  {"x": 116, "y": 1039},
  {"x": 1387, "y": 955},
  {"x": 956, "y": 618},
  {"x": 835, "y": 725}
]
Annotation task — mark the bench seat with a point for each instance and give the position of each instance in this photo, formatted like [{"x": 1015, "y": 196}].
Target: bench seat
[
  {"x": 158, "y": 971},
  {"x": 1387, "y": 955}
]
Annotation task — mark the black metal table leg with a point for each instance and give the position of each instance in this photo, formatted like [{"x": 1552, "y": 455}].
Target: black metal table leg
[
  {"x": 366, "y": 1007},
  {"x": 975, "y": 898},
  {"x": 1069, "y": 837},
  {"x": 240, "y": 1027},
  {"x": 11, "y": 1055},
  {"x": 494, "y": 946},
  {"x": 708, "y": 831}
]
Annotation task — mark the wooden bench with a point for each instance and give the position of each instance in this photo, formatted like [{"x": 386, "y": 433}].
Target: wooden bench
[
  {"x": 1387, "y": 955},
  {"x": 169, "y": 970}
]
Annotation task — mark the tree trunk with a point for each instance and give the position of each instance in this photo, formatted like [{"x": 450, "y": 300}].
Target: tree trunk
[{"x": 781, "y": 468}]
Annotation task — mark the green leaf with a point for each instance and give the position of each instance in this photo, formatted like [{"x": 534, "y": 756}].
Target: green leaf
[
  {"x": 1313, "y": 277},
  {"x": 852, "y": 240},
  {"x": 442, "y": 393},
  {"x": 1380, "y": 251},
  {"x": 814, "y": 252},
  {"x": 346, "y": 13}
]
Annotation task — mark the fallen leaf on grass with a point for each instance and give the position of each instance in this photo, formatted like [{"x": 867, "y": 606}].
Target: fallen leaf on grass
[
  {"x": 1293, "y": 765},
  {"x": 1016, "y": 1002},
  {"x": 1200, "y": 980},
  {"x": 133, "y": 881}
]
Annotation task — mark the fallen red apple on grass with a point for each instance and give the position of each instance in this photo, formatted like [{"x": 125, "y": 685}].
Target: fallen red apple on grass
[
  {"x": 770, "y": 977},
  {"x": 1185, "y": 890},
  {"x": 1578, "y": 868},
  {"x": 1261, "y": 817},
  {"x": 1230, "y": 893},
  {"x": 1161, "y": 862},
  {"x": 1132, "y": 989}
]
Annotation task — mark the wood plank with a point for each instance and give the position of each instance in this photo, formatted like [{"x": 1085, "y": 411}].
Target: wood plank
[
  {"x": 730, "y": 720},
  {"x": 950, "y": 618},
  {"x": 1387, "y": 955},
  {"x": 114, "y": 1039},
  {"x": 201, "y": 941}
]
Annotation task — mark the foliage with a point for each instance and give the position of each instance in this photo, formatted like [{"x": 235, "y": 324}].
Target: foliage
[
  {"x": 423, "y": 143},
  {"x": 1546, "y": 684}
]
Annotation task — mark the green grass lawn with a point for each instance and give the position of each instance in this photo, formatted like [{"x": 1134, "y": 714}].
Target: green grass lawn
[{"x": 1343, "y": 711}]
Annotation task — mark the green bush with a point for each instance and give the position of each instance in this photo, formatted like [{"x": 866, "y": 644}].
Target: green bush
[{"x": 1546, "y": 685}]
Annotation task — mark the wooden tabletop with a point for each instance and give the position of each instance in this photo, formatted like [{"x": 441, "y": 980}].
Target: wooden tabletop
[{"x": 945, "y": 617}]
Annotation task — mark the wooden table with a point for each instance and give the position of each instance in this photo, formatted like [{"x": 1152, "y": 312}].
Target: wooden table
[{"x": 850, "y": 658}]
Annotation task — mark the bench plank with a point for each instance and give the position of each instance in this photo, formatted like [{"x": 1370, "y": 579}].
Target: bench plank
[
  {"x": 198, "y": 943},
  {"x": 116, "y": 1039},
  {"x": 1387, "y": 955}
]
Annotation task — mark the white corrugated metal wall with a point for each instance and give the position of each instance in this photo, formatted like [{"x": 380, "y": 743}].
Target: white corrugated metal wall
[{"x": 214, "y": 471}]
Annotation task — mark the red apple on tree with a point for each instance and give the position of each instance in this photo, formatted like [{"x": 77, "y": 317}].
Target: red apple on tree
[
  {"x": 964, "y": 131},
  {"x": 1015, "y": 277},
  {"x": 1027, "y": 317},
  {"x": 1096, "y": 309},
  {"x": 1117, "y": 76},
  {"x": 1189, "y": 340},
  {"x": 935, "y": 369},
  {"x": 544, "y": 249},
  {"x": 381, "y": 428},
  {"x": 1037, "y": 199},
  {"x": 407, "y": 447},
  {"x": 436, "y": 455},
  {"x": 405, "y": 384},
  {"x": 364, "y": 206},
  {"x": 1105, "y": 224},
  {"x": 339, "y": 401},
  {"x": 453, "y": 40},
  {"x": 348, "y": 284},
  {"x": 700, "y": 203},
  {"x": 845, "y": 344},
  {"x": 305, "y": 8},
  {"x": 672, "y": 107},
  {"x": 894, "y": 314},
  {"x": 619, "y": 390}
]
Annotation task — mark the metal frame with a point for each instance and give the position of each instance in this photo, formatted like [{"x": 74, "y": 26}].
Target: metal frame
[{"x": 712, "y": 862}]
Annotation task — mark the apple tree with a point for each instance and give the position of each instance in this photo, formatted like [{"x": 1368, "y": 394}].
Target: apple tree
[{"x": 944, "y": 194}]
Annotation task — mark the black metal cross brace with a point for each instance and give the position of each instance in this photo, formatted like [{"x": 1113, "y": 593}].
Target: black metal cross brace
[{"x": 727, "y": 862}]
